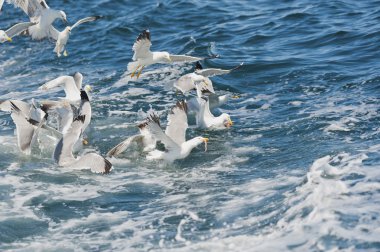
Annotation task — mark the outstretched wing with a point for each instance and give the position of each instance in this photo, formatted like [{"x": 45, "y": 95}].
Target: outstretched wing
[
  {"x": 153, "y": 126},
  {"x": 62, "y": 80},
  {"x": 85, "y": 20},
  {"x": 1, "y": 4},
  {"x": 94, "y": 162},
  {"x": 25, "y": 129},
  {"x": 177, "y": 123},
  {"x": 18, "y": 28},
  {"x": 63, "y": 153},
  {"x": 32, "y": 8},
  {"x": 209, "y": 72},
  {"x": 142, "y": 46},
  {"x": 184, "y": 58},
  {"x": 185, "y": 83},
  {"x": 121, "y": 147}
]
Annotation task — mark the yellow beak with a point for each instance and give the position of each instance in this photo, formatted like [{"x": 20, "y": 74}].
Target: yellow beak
[
  {"x": 9, "y": 39},
  {"x": 205, "y": 140},
  {"x": 230, "y": 122}
]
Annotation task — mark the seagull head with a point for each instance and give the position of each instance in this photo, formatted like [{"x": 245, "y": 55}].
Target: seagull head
[
  {"x": 227, "y": 122},
  {"x": 4, "y": 37},
  {"x": 62, "y": 15}
]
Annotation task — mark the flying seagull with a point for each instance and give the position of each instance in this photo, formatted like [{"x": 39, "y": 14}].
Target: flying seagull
[
  {"x": 14, "y": 31},
  {"x": 64, "y": 35},
  {"x": 63, "y": 153},
  {"x": 200, "y": 78},
  {"x": 144, "y": 57},
  {"x": 210, "y": 72},
  {"x": 71, "y": 85},
  {"x": 40, "y": 13},
  {"x": 174, "y": 137}
]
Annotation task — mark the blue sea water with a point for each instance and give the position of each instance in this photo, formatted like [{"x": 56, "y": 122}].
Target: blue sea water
[{"x": 298, "y": 171}]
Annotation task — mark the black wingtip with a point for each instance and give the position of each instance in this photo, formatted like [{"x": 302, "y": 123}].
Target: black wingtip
[
  {"x": 83, "y": 95},
  {"x": 80, "y": 118},
  {"x": 107, "y": 167},
  {"x": 198, "y": 66},
  {"x": 182, "y": 105},
  {"x": 145, "y": 34},
  {"x": 14, "y": 107},
  {"x": 153, "y": 117}
]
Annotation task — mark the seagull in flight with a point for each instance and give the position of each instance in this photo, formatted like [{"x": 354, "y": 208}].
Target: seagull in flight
[
  {"x": 14, "y": 31},
  {"x": 40, "y": 13},
  {"x": 143, "y": 57},
  {"x": 64, "y": 35}
]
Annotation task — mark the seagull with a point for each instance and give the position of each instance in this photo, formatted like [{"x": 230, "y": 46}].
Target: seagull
[
  {"x": 14, "y": 31},
  {"x": 72, "y": 86},
  {"x": 144, "y": 57},
  {"x": 40, "y": 13},
  {"x": 206, "y": 120},
  {"x": 63, "y": 153},
  {"x": 1, "y": 4},
  {"x": 174, "y": 137},
  {"x": 210, "y": 72},
  {"x": 28, "y": 120},
  {"x": 64, "y": 35},
  {"x": 144, "y": 139},
  {"x": 200, "y": 77}
]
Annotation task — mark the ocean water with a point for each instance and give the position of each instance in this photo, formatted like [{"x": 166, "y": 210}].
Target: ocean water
[{"x": 298, "y": 171}]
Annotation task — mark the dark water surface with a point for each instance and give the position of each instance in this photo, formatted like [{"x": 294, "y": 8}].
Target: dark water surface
[{"x": 298, "y": 171}]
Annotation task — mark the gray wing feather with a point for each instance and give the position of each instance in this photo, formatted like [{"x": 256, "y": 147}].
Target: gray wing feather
[
  {"x": 184, "y": 58},
  {"x": 177, "y": 123},
  {"x": 32, "y": 8},
  {"x": 85, "y": 20},
  {"x": 209, "y": 72},
  {"x": 121, "y": 147},
  {"x": 18, "y": 28},
  {"x": 94, "y": 162}
]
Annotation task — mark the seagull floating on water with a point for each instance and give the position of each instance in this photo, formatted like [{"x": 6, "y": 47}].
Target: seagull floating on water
[
  {"x": 63, "y": 153},
  {"x": 174, "y": 137},
  {"x": 64, "y": 35},
  {"x": 14, "y": 31},
  {"x": 40, "y": 13},
  {"x": 143, "y": 57},
  {"x": 144, "y": 140}
]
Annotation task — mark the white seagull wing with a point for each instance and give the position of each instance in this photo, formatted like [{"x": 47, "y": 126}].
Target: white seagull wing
[
  {"x": 177, "y": 123},
  {"x": 1, "y": 4},
  {"x": 32, "y": 8},
  {"x": 70, "y": 87},
  {"x": 63, "y": 153},
  {"x": 185, "y": 83},
  {"x": 153, "y": 126},
  {"x": 25, "y": 130},
  {"x": 94, "y": 162},
  {"x": 142, "y": 46},
  {"x": 121, "y": 147},
  {"x": 184, "y": 58},
  {"x": 18, "y": 28},
  {"x": 85, "y": 20}
]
